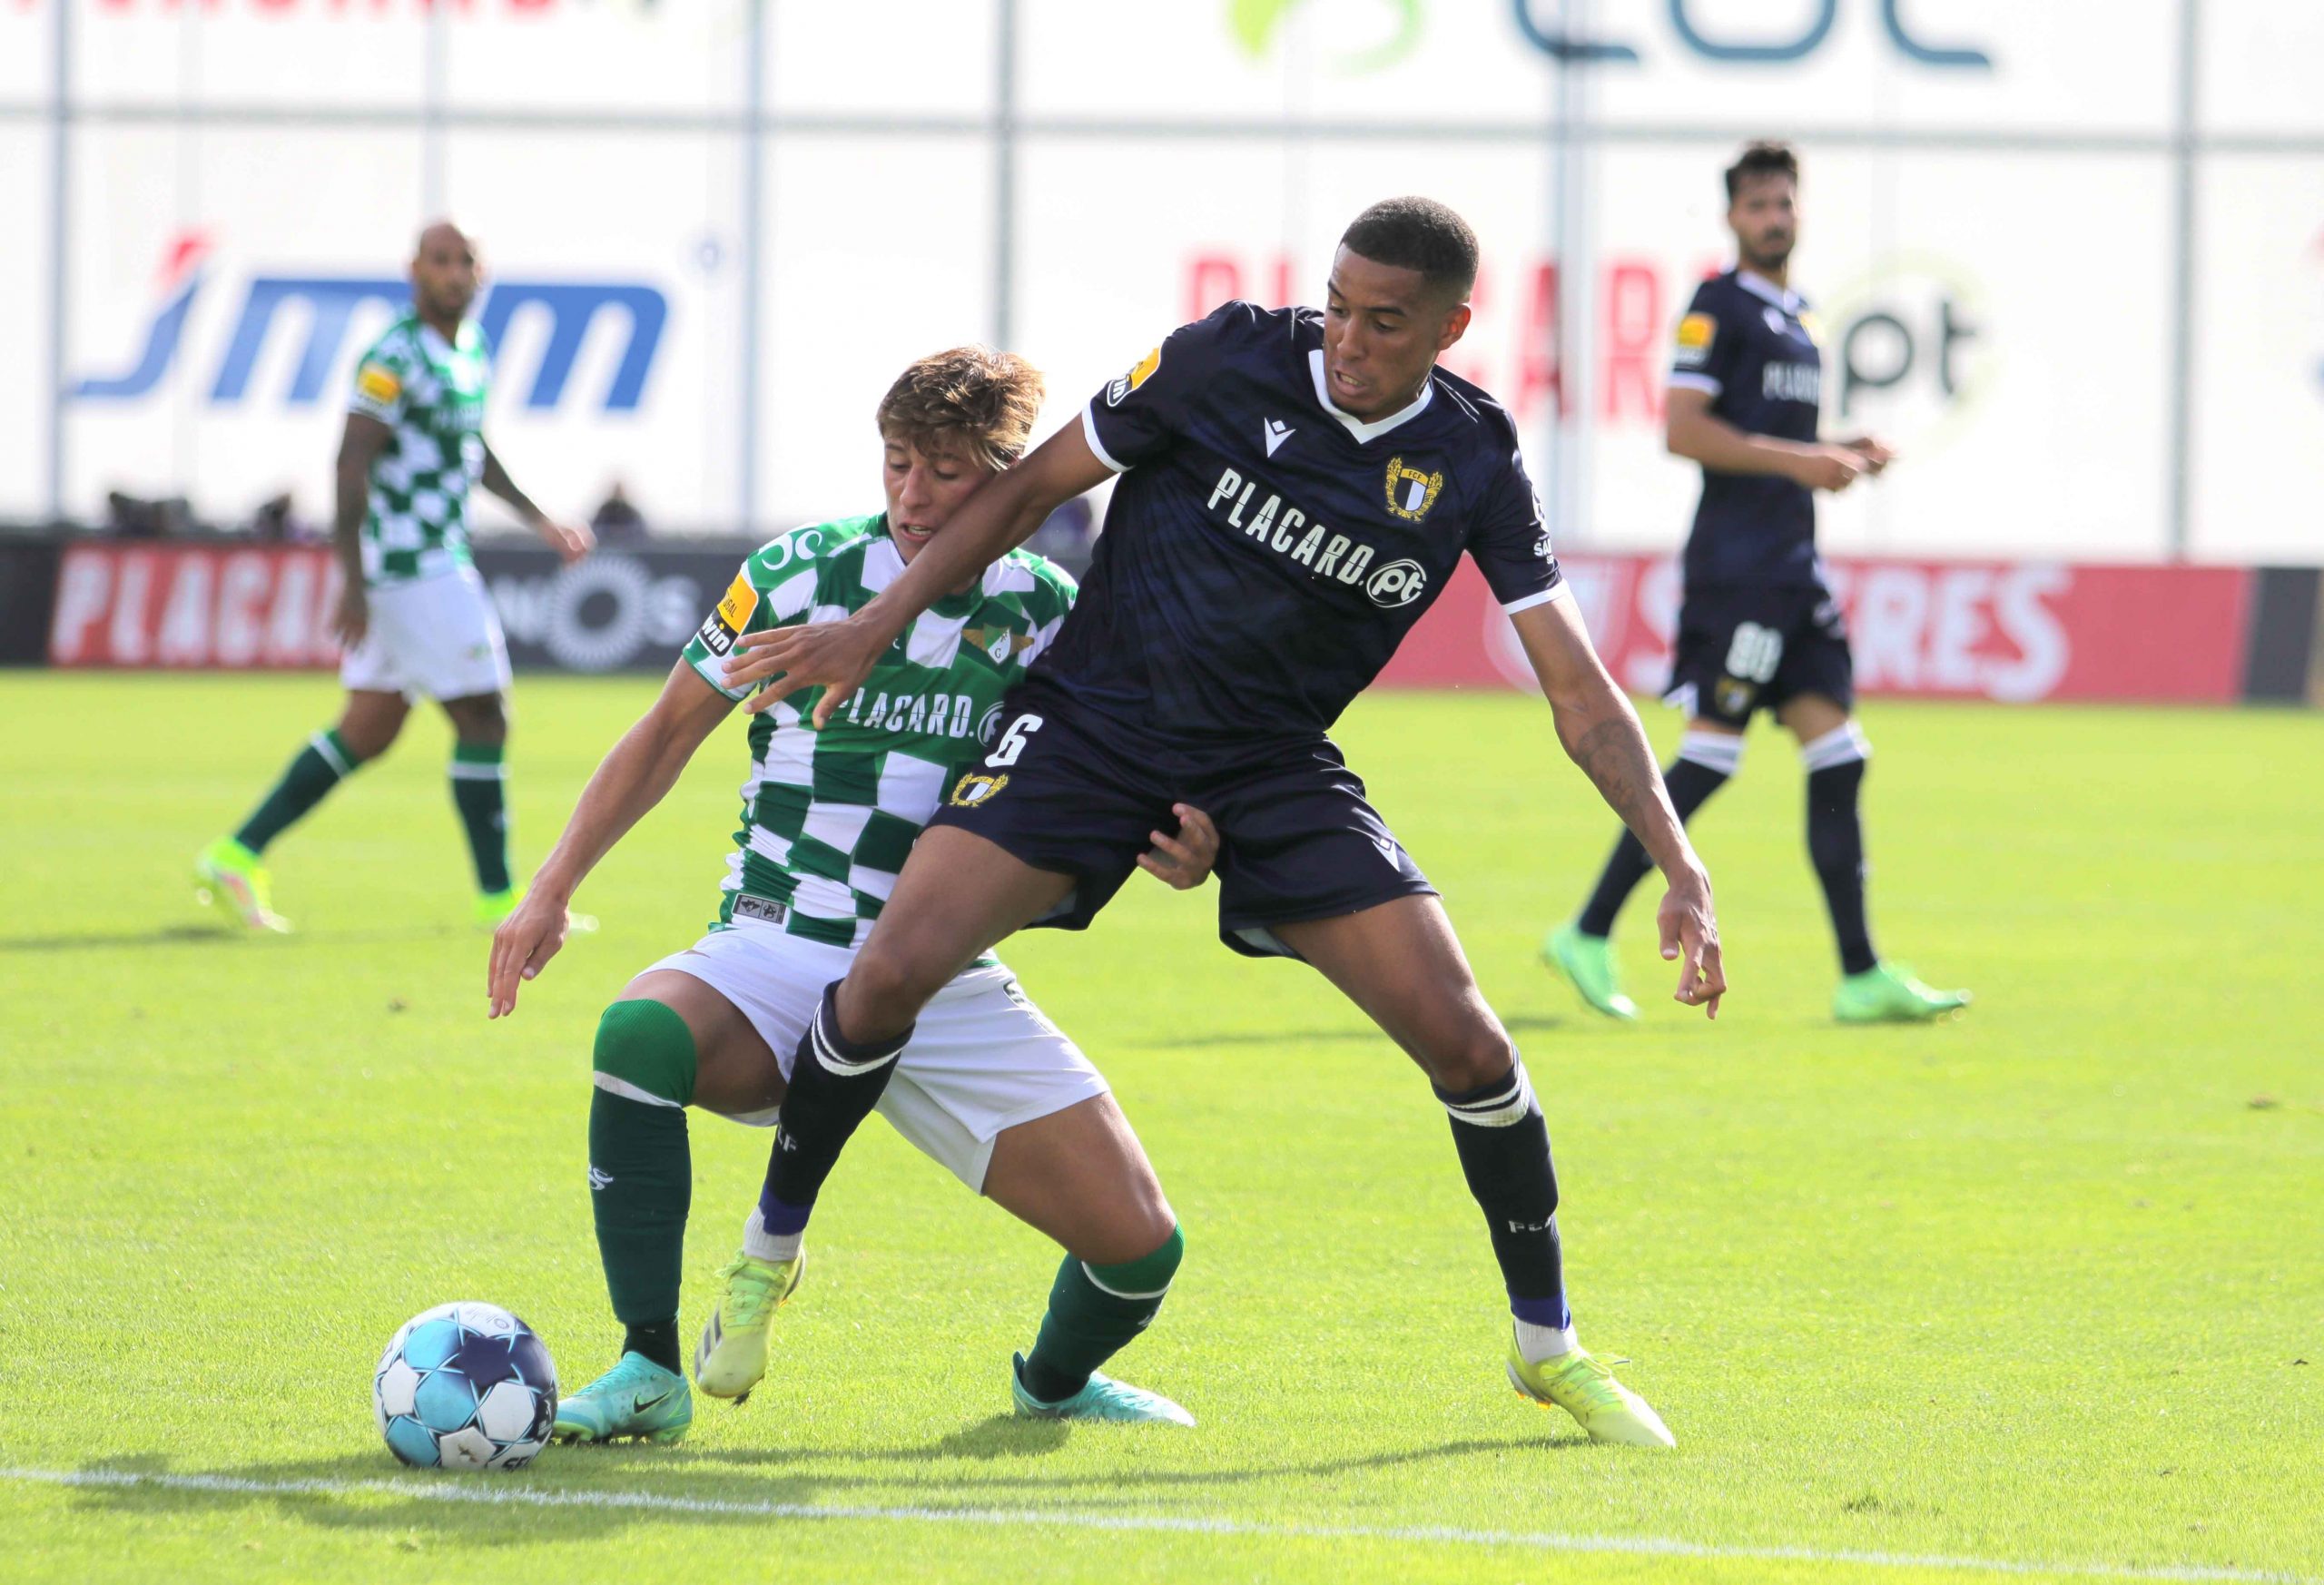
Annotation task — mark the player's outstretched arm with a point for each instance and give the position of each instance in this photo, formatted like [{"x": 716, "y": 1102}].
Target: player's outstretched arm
[
  {"x": 1000, "y": 517},
  {"x": 636, "y": 774},
  {"x": 571, "y": 541},
  {"x": 1602, "y": 734}
]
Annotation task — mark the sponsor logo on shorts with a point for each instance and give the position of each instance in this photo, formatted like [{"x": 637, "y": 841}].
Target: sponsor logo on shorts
[
  {"x": 1411, "y": 492},
  {"x": 1733, "y": 695},
  {"x": 1118, "y": 391},
  {"x": 765, "y": 910},
  {"x": 974, "y": 788}
]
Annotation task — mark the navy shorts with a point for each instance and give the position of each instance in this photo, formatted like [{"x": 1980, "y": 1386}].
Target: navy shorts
[
  {"x": 1744, "y": 647},
  {"x": 1066, "y": 788}
]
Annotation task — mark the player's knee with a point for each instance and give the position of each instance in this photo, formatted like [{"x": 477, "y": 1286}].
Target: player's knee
[
  {"x": 645, "y": 1051},
  {"x": 885, "y": 988},
  {"x": 1480, "y": 1055}
]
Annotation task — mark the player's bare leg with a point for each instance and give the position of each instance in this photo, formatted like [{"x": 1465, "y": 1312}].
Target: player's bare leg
[
  {"x": 228, "y": 871},
  {"x": 1402, "y": 964},
  {"x": 1835, "y": 751},
  {"x": 1709, "y": 753},
  {"x": 1081, "y": 1176}
]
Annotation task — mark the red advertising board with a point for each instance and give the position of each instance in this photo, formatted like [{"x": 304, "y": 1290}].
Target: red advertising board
[
  {"x": 2014, "y": 632},
  {"x": 194, "y": 606}
]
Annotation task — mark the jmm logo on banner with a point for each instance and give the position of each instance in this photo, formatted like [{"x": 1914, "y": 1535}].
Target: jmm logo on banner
[{"x": 327, "y": 306}]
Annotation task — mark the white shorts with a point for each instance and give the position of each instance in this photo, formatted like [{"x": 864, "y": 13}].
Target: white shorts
[
  {"x": 982, "y": 1057},
  {"x": 439, "y": 637}
]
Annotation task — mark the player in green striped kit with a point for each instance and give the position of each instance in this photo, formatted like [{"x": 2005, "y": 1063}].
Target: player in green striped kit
[
  {"x": 413, "y": 614},
  {"x": 988, "y": 1086}
]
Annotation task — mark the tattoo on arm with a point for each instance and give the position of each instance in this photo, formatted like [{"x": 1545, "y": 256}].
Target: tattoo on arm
[{"x": 1613, "y": 752}]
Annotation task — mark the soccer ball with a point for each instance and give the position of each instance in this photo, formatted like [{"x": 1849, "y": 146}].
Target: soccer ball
[{"x": 465, "y": 1386}]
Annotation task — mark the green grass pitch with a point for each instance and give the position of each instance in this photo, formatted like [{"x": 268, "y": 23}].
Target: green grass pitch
[{"x": 2039, "y": 1291}]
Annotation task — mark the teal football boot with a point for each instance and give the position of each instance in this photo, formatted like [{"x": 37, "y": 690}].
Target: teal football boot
[
  {"x": 1101, "y": 1398},
  {"x": 636, "y": 1398}
]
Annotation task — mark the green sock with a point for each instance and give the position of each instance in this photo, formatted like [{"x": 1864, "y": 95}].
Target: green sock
[
  {"x": 317, "y": 768},
  {"x": 480, "y": 792},
  {"x": 641, "y": 1171},
  {"x": 1094, "y": 1310}
]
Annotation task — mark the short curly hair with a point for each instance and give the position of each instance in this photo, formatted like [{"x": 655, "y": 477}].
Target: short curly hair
[{"x": 973, "y": 400}]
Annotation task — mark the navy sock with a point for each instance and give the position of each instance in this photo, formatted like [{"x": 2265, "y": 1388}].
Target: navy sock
[
  {"x": 1504, "y": 1147},
  {"x": 835, "y": 1082},
  {"x": 1835, "y": 841}
]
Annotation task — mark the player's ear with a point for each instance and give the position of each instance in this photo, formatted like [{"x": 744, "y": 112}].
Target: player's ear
[{"x": 1455, "y": 326}]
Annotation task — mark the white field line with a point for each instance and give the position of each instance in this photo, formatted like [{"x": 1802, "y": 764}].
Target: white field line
[{"x": 484, "y": 1491}]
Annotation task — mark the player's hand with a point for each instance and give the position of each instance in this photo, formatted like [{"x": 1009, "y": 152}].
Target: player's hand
[
  {"x": 838, "y": 656},
  {"x": 1828, "y": 467},
  {"x": 1690, "y": 937},
  {"x": 571, "y": 541},
  {"x": 1184, "y": 861},
  {"x": 1877, "y": 453},
  {"x": 522, "y": 946},
  {"x": 353, "y": 618}
]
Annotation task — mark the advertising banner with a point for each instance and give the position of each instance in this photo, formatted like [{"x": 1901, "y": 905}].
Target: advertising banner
[{"x": 2011, "y": 631}]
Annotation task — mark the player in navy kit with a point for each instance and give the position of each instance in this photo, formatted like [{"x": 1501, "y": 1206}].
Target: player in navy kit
[
  {"x": 1295, "y": 487},
  {"x": 1759, "y": 628}
]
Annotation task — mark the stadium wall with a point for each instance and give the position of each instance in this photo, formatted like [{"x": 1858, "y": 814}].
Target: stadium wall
[
  {"x": 2014, "y": 632},
  {"x": 2069, "y": 256}
]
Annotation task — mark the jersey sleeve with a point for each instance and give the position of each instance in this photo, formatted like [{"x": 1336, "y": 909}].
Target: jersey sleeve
[
  {"x": 1703, "y": 349},
  {"x": 775, "y": 587},
  {"x": 379, "y": 382},
  {"x": 1510, "y": 544},
  {"x": 1141, "y": 412}
]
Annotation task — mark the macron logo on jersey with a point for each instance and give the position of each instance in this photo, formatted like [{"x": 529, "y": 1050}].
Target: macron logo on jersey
[{"x": 1276, "y": 433}]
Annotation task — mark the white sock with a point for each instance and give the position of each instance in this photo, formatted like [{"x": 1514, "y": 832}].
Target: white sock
[
  {"x": 761, "y": 1245},
  {"x": 1536, "y": 1342}
]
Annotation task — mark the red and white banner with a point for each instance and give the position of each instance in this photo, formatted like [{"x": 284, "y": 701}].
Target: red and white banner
[
  {"x": 2014, "y": 632},
  {"x": 194, "y": 607}
]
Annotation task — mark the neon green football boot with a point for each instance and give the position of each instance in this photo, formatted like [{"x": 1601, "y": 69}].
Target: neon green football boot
[
  {"x": 732, "y": 1357},
  {"x": 228, "y": 873},
  {"x": 1888, "y": 993},
  {"x": 1584, "y": 1387},
  {"x": 1101, "y": 1398},
  {"x": 636, "y": 1398},
  {"x": 1589, "y": 962}
]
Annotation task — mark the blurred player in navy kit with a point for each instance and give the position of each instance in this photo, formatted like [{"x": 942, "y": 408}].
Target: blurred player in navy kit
[
  {"x": 1759, "y": 628},
  {"x": 1295, "y": 487}
]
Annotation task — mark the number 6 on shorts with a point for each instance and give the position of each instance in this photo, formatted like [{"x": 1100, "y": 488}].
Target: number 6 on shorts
[{"x": 1012, "y": 741}]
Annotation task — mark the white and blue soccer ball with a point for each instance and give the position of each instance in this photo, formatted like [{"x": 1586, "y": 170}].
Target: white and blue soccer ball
[{"x": 465, "y": 1386}]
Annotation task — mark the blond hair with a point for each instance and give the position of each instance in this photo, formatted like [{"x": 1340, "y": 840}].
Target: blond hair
[{"x": 971, "y": 400}]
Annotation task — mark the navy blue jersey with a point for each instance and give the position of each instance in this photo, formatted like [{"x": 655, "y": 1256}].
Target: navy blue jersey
[
  {"x": 1745, "y": 341},
  {"x": 1264, "y": 552}
]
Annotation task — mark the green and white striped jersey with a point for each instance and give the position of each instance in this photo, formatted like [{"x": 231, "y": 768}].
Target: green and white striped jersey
[
  {"x": 829, "y": 816},
  {"x": 430, "y": 393}
]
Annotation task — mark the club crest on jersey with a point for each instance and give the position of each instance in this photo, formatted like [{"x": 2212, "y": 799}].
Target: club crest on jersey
[
  {"x": 1139, "y": 375},
  {"x": 1411, "y": 493},
  {"x": 976, "y": 788}
]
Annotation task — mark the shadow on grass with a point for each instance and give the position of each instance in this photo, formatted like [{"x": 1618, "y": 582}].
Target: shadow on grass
[
  {"x": 595, "y": 1491},
  {"x": 202, "y": 935},
  {"x": 1352, "y": 1036}
]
